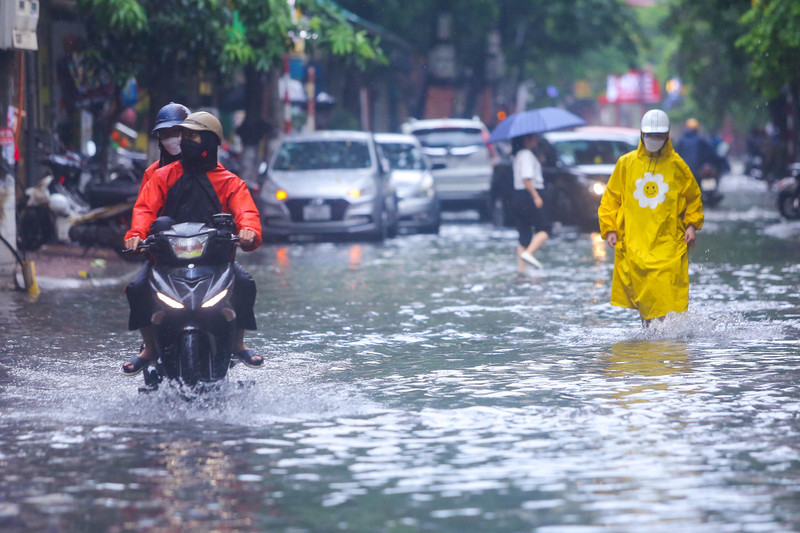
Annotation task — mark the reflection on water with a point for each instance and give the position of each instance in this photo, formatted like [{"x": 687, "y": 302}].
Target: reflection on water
[
  {"x": 644, "y": 365},
  {"x": 599, "y": 248},
  {"x": 421, "y": 385}
]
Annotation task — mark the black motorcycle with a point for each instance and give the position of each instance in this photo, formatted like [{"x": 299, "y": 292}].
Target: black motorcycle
[
  {"x": 789, "y": 193},
  {"x": 192, "y": 277}
]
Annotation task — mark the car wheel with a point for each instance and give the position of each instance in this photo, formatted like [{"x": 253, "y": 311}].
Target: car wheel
[
  {"x": 432, "y": 228},
  {"x": 391, "y": 225},
  {"x": 485, "y": 210},
  {"x": 501, "y": 213},
  {"x": 381, "y": 231},
  {"x": 563, "y": 208}
]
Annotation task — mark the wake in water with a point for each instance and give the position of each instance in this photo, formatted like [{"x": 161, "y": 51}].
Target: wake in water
[
  {"x": 696, "y": 326},
  {"x": 290, "y": 390}
]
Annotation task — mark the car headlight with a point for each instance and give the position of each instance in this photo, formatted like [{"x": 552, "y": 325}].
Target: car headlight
[
  {"x": 366, "y": 189},
  {"x": 272, "y": 193},
  {"x": 598, "y": 188},
  {"x": 188, "y": 247},
  {"x": 425, "y": 188}
]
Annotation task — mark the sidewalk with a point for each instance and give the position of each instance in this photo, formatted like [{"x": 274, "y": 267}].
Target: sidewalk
[{"x": 61, "y": 266}]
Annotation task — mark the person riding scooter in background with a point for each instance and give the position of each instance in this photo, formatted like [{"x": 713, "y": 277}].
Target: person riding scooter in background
[
  {"x": 194, "y": 190},
  {"x": 703, "y": 161},
  {"x": 694, "y": 149}
]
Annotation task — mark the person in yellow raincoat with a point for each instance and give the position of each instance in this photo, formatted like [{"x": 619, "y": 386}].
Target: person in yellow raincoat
[{"x": 649, "y": 214}]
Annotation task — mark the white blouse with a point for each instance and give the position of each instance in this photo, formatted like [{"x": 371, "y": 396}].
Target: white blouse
[{"x": 527, "y": 167}]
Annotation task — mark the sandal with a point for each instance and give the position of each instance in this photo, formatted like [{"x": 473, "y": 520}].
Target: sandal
[
  {"x": 139, "y": 364},
  {"x": 246, "y": 357}
]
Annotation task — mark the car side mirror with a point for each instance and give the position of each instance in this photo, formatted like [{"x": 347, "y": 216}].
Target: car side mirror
[{"x": 438, "y": 166}]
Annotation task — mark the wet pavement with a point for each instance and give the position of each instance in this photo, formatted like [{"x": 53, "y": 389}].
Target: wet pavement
[{"x": 422, "y": 385}]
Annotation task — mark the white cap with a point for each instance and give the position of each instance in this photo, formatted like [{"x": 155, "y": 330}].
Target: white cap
[{"x": 655, "y": 121}]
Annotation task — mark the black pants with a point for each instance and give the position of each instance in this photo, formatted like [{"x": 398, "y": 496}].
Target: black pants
[
  {"x": 142, "y": 300},
  {"x": 527, "y": 216}
]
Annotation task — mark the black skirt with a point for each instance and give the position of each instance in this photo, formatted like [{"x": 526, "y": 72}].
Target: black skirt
[{"x": 527, "y": 216}]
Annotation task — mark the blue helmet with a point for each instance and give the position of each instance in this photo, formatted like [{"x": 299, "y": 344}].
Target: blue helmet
[{"x": 170, "y": 115}]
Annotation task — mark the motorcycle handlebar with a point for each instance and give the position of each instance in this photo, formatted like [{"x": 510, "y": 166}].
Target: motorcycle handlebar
[{"x": 148, "y": 242}]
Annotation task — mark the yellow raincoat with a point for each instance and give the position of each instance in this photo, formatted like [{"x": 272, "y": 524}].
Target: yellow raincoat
[{"x": 649, "y": 202}]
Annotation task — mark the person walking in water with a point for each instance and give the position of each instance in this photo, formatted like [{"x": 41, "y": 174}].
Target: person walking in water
[
  {"x": 527, "y": 204},
  {"x": 649, "y": 214}
]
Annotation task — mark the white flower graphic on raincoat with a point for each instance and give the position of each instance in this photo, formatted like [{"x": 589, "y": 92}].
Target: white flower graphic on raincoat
[{"x": 651, "y": 190}]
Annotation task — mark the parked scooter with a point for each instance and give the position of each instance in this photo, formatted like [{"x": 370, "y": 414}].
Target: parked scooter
[
  {"x": 789, "y": 193},
  {"x": 192, "y": 278},
  {"x": 73, "y": 203}
]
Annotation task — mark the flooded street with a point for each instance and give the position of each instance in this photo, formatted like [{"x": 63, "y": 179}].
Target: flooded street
[{"x": 422, "y": 385}]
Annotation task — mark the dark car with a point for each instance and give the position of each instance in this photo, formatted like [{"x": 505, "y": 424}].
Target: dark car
[{"x": 576, "y": 166}]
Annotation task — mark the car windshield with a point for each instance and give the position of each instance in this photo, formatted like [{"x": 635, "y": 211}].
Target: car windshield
[
  {"x": 403, "y": 156},
  {"x": 321, "y": 155},
  {"x": 591, "y": 152},
  {"x": 445, "y": 137}
]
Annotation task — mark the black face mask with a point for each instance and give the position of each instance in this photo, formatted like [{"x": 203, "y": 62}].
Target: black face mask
[
  {"x": 191, "y": 152},
  {"x": 201, "y": 155}
]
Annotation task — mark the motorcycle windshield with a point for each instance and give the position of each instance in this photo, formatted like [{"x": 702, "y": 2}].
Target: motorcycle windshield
[{"x": 189, "y": 247}]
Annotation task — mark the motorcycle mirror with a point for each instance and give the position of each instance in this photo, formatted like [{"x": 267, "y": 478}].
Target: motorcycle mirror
[
  {"x": 90, "y": 148},
  {"x": 262, "y": 168}
]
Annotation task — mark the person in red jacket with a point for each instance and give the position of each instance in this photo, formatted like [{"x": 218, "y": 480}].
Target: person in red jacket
[
  {"x": 169, "y": 138},
  {"x": 193, "y": 190}
]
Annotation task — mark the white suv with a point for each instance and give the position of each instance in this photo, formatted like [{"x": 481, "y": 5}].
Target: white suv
[{"x": 462, "y": 161}]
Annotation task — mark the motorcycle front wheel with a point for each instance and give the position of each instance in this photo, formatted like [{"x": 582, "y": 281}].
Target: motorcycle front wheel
[
  {"x": 196, "y": 359},
  {"x": 789, "y": 205}
]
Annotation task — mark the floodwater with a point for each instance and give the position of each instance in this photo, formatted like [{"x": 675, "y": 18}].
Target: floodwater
[{"x": 422, "y": 385}]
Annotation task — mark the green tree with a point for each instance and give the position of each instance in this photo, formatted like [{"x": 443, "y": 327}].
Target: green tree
[
  {"x": 772, "y": 43},
  {"x": 707, "y": 59},
  {"x": 540, "y": 40},
  {"x": 169, "y": 47},
  {"x": 163, "y": 45}
]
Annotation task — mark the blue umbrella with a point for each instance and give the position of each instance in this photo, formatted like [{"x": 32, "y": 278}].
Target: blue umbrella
[{"x": 535, "y": 121}]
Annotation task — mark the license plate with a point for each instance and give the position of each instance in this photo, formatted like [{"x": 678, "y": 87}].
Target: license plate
[
  {"x": 708, "y": 184},
  {"x": 316, "y": 212}
]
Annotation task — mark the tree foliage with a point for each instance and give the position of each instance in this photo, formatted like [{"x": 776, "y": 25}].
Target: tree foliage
[
  {"x": 539, "y": 40},
  {"x": 169, "y": 46},
  {"x": 772, "y": 42},
  {"x": 707, "y": 59}
]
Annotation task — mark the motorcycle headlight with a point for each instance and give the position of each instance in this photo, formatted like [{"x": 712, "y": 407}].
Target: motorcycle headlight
[
  {"x": 188, "y": 247},
  {"x": 598, "y": 188},
  {"x": 214, "y": 300},
  {"x": 169, "y": 301}
]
